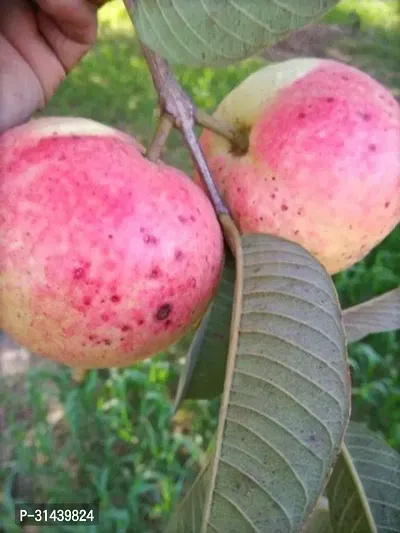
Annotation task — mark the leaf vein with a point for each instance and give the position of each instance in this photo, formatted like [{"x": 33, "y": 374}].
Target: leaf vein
[
  {"x": 258, "y": 485},
  {"x": 238, "y": 509},
  {"x": 296, "y": 321},
  {"x": 293, "y": 398}
]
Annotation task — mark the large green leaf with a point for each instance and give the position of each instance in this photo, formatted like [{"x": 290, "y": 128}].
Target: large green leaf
[
  {"x": 220, "y": 32},
  {"x": 204, "y": 371},
  {"x": 373, "y": 316},
  {"x": 286, "y": 398},
  {"x": 364, "y": 490}
]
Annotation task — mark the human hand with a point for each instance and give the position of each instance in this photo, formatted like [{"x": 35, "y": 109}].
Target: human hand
[{"x": 40, "y": 42}]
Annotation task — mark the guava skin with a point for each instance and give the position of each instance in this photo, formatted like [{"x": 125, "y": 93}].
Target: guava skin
[
  {"x": 105, "y": 257},
  {"x": 323, "y": 163}
]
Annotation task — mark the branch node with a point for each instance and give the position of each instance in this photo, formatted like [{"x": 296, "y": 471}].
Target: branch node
[{"x": 178, "y": 106}]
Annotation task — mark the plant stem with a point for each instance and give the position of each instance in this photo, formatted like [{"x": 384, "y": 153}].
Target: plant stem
[
  {"x": 79, "y": 374},
  {"x": 220, "y": 128},
  {"x": 177, "y": 105},
  {"x": 163, "y": 130}
]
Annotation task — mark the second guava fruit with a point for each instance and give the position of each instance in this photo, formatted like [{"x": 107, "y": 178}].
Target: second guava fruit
[
  {"x": 322, "y": 161},
  {"x": 105, "y": 257}
]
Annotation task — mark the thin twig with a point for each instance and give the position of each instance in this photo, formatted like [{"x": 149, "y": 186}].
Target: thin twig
[
  {"x": 176, "y": 104},
  {"x": 202, "y": 167},
  {"x": 164, "y": 127}
]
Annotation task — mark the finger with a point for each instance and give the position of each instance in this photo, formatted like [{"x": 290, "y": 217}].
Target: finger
[
  {"x": 18, "y": 26},
  {"x": 76, "y": 19},
  {"x": 20, "y": 90}
]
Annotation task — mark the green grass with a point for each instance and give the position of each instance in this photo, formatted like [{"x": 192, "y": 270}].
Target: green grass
[{"x": 115, "y": 440}]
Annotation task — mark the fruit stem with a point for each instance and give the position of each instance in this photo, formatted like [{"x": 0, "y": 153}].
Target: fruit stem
[
  {"x": 79, "y": 374},
  {"x": 221, "y": 128},
  {"x": 164, "y": 127},
  {"x": 180, "y": 110}
]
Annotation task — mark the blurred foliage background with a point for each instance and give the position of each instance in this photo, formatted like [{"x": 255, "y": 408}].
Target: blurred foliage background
[{"x": 113, "y": 439}]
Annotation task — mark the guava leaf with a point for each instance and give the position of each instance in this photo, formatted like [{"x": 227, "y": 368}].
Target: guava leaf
[
  {"x": 220, "y": 32},
  {"x": 204, "y": 371},
  {"x": 286, "y": 397},
  {"x": 364, "y": 490},
  {"x": 373, "y": 316}
]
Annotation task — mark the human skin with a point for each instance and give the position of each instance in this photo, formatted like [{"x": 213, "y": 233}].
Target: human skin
[
  {"x": 105, "y": 257},
  {"x": 40, "y": 42},
  {"x": 323, "y": 165}
]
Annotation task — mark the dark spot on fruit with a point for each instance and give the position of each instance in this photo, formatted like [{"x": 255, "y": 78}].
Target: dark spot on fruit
[
  {"x": 192, "y": 218},
  {"x": 155, "y": 273},
  {"x": 273, "y": 195},
  {"x": 296, "y": 232},
  {"x": 91, "y": 337},
  {"x": 149, "y": 239},
  {"x": 330, "y": 99},
  {"x": 273, "y": 178},
  {"x": 110, "y": 236},
  {"x": 192, "y": 282},
  {"x": 301, "y": 115},
  {"x": 140, "y": 322},
  {"x": 387, "y": 204},
  {"x": 115, "y": 298},
  {"x": 300, "y": 211},
  {"x": 261, "y": 218},
  {"x": 345, "y": 78},
  {"x": 163, "y": 312},
  {"x": 142, "y": 230},
  {"x": 107, "y": 342},
  {"x": 83, "y": 344},
  {"x": 102, "y": 301},
  {"x": 178, "y": 255},
  {"x": 284, "y": 207},
  {"x": 87, "y": 301},
  {"x": 182, "y": 219},
  {"x": 125, "y": 327},
  {"x": 79, "y": 273},
  {"x": 372, "y": 147},
  {"x": 104, "y": 317},
  {"x": 239, "y": 189},
  {"x": 366, "y": 117},
  {"x": 168, "y": 323},
  {"x": 351, "y": 226}
]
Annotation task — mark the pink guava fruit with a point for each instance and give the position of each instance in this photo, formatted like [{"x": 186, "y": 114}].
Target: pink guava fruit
[
  {"x": 322, "y": 166},
  {"x": 105, "y": 257}
]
